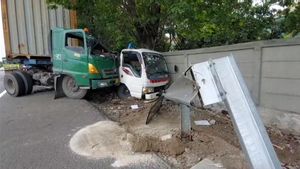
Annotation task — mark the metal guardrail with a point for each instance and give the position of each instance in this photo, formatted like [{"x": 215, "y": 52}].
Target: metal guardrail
[
  {"x": 221, "y": 80},
  {"x": 230, "y": 87}
]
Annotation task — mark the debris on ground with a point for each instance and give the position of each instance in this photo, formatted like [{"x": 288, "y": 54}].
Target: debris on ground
[
  {"x": 202, "y": 123},
  {"x": 207, "y": 164},
  {"x": 218, "y": 142},
  {"x": 134, "y": 107}
]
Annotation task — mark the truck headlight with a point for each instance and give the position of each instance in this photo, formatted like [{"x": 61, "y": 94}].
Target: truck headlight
[
  {"x": 148, "y": 90},
  {"x": 92, "y": 69}
]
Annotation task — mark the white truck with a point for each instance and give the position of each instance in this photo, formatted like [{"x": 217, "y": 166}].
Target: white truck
[{"x": 143, "y": 73}]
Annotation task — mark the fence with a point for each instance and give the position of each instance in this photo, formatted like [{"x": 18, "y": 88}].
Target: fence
[{"x": 271, "y": 70}]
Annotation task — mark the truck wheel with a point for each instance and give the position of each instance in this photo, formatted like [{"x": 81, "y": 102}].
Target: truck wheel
[
  {"x": 71, "y": 89},
  {"x": 14, "y": 84},
  {"x": 28, "y": 83},
  {"x": 123, "y": 92}
]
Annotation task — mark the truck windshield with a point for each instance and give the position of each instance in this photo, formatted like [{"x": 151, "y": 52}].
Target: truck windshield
[
  {"x": 155, "y": 64},
  {"x": 97, "y": 49}
]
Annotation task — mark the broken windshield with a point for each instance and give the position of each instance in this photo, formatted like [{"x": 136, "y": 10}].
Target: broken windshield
[
  {"x": 155, "y": 64},
  {"x": 97, "y": 49}
]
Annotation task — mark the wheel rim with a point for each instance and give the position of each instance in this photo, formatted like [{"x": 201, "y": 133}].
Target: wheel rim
[
  {"x": 10, "y": 88},
  {"x": 71, "y": 85}
]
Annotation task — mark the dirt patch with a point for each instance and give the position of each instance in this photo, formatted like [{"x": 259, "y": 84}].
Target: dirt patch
[
  {"x": 106, "y": 139},
  {"x": 146, "y": 137},
  {"x": 218, "y": 142}
]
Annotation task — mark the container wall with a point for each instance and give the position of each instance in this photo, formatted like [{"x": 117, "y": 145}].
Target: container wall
[{"x": 28, "y": 26}]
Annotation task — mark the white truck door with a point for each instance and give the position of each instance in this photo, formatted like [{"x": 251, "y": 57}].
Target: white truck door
[{"x": 131, "y": 72}]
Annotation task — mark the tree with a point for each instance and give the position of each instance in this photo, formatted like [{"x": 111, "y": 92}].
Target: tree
[
  {"x": 188, "y": 23},
  {"x": 291, "y": 23},
  {"x": 212, "y": 23},
  {"x": 118, "y": 21}
]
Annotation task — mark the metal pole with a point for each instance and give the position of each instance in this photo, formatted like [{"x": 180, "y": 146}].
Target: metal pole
[{"x": 186, "y": 126}]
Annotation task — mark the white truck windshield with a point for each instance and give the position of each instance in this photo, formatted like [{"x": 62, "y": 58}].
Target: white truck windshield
[{"x": 155, "y": 64}]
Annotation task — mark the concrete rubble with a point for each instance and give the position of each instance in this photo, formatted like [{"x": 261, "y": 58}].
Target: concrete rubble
[{"x": 207, "y": 164}]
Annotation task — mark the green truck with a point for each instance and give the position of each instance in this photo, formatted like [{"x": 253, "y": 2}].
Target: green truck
[{"x": 78, "y": 62}]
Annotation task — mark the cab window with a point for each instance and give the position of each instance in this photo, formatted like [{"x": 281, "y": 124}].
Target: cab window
[
  {"x": 75, "y": 42},
  {"x": 132, "y": 61}
]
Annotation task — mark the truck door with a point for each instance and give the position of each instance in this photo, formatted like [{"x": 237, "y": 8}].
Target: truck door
[
  {"x": 131, "y": 72},
  {"x": 75, "y": 56},
  {"x": 57, "y": 46}
]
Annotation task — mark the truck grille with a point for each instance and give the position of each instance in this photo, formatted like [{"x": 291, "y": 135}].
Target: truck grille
[{"x": 109, "y": 72}]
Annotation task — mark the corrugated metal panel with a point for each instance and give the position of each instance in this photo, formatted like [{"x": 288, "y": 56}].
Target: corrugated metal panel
[
  {"x": 59, "y": 17},
  {"x": 30, "y": 22},
  {"x": 23, "y": 48},
  {"x": 52, "y": 18},
  {"x": 38, "y": 26},
  {"x": 30, "y": 26},
  {"x": 6, "y": 27},
  {"x": 46, "y": 28},
  {"x": 66, "y": 18},
  {"x": 12, "y": 21}
]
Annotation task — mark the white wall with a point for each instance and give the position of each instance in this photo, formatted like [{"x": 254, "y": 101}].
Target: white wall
[{"x": 2, "y": 45}]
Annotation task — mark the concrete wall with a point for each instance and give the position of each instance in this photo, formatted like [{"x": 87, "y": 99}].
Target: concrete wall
[{"x": 271, "y": 70}]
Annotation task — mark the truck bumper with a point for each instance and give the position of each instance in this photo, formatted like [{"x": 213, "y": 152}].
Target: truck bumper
[
  {"x": 96, "y": 83},
  {"x": 150, "y": 96}
]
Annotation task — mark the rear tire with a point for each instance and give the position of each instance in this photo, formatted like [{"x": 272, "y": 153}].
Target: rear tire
[
  {"x": 123, "y": 92},
  {"x": 71, "y": 89},
  {"x": 28, "y": 82},
  {"x": 13, "y": 84}
]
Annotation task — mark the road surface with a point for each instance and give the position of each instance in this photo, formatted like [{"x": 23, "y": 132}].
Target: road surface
[
  {"x": 35, "y": 131},
  {"x": 1, "y": 81}
]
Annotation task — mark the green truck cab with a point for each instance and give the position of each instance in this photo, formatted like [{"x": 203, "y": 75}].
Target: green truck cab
[
  {"x": 83, "y": 60},
  {"x": 79, "y": 62}
]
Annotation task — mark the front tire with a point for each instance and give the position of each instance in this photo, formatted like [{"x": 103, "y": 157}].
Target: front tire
[
  {"x": 14, "y": 84},
  {"x": 71, "y": 89},
  {"x": 123, "y": 92}
]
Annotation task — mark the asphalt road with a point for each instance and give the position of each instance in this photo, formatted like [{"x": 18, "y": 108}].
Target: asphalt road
[
  {"x": 35, "y": 131},
  {"x": 1, "y": 80}
]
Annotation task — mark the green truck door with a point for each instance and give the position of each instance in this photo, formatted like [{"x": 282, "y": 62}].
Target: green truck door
[{"x": 75, "y": 56}]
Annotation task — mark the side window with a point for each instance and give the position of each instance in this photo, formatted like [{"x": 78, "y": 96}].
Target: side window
[
  {"x": 131, "y": 60},
  {"x": 74, "y": 42}
]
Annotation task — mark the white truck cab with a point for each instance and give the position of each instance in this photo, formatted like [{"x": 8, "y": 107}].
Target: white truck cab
[{"x": 143, "y": 73}]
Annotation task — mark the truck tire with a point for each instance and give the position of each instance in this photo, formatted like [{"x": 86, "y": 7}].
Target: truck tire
[
  {"x": 123, "y": 92},
  {"x": 28, "y": 82},
  {"x": 14, "y": 84},
  {"x": 71, "y": 89}
]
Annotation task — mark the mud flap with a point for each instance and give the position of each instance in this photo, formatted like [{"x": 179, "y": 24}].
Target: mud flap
[{"x": 58, "y": 87}]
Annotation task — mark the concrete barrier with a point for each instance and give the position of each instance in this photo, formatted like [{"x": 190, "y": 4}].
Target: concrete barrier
[{"x": 271, "y": 70}]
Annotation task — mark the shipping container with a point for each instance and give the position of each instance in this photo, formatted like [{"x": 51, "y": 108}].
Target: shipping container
[{"x": 27, "y": 25}]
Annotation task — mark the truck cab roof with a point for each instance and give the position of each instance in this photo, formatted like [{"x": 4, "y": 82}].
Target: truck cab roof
[{"x": 140, "y": 50}]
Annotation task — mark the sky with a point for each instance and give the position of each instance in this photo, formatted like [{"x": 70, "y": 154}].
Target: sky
[{"x": 2, "y": 47}]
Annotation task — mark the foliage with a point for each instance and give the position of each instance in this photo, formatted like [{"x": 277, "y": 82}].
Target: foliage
[
  {"x": 292, "y": 21},
  {"x": 188, "y": 23}
]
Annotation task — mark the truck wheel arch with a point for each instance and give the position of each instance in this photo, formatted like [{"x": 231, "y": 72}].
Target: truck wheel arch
[{"x": 122, "y": 94}]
